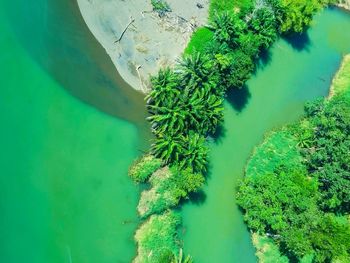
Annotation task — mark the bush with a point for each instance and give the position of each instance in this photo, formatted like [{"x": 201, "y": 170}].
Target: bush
[
  {"x": 157, "y": 238},
  {"x": 142, "y": 168},
  {"x": 168, "y": 187}
]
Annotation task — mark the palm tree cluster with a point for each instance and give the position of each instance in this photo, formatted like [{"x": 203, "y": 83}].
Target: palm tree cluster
[
  {"x": 185, "y": 106},
  {"x": 238, "y": 41}
]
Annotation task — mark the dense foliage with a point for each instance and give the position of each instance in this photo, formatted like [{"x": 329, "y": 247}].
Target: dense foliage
[
  {"x": 295, "y": 15},
  {"x": 186, "y": 104},
  {"x": 300, "y": 198},
  {"x": 326, "y": 148}
]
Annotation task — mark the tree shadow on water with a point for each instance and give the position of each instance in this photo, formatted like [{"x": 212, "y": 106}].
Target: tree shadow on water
[
  {"x": 298, "y": 41},
  {"x": 219, "y": 134},
  {"x": 198, "y": 198},
  {"x": 264, "y": 59},
  {"x": 238, "y": 98}
]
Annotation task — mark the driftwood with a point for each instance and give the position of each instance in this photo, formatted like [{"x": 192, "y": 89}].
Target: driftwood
[
  {"x": 132, "y": 20},
  {"x": 138, "y": 73}
]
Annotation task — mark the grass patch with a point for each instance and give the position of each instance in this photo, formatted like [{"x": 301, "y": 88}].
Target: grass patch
[
  {"x": 157, "y": 238},
  {"x": 267, "y": 250},
  {"x": 218, "y": 6},
  {"x": 341, "y": 81},
  {"x": 279, "y": 148},
  {"x": 199, "y": 41}
]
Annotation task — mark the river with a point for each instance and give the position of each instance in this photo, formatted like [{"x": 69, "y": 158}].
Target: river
[
  {"x": 294, "y": 72},
  {"x": 70, "y": 128}
]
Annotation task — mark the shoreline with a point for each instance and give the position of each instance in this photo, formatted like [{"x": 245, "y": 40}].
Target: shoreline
[
  {"x": 136, "y": 58},
  {"x": 345, "y": 5},
  {"x": 263, "y": 245},
  {"x": 338, "y": 76},
  {"x": 137, "y": 39}
]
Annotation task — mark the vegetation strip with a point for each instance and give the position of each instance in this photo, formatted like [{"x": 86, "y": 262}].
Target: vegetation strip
[{"x": 186, "y": 106}]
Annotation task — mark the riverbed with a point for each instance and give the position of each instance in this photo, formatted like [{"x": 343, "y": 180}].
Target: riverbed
[{"x": 295, "y": 71}]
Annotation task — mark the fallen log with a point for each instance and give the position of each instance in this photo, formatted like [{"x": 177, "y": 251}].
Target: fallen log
[{"x": 132, "y": 20}]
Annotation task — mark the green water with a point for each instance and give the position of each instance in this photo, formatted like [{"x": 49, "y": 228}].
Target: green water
[
  {"x": 65, "y": 150},
  {"x": 214, "y": 230}
]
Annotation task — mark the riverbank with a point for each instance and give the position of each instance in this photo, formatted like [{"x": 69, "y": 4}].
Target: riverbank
[
  {"x": 286, "y": 148},
  {"x": 341, "y": 79},
  {"x": 344, "y": 4},
  {"x": 151, "y": 41}
]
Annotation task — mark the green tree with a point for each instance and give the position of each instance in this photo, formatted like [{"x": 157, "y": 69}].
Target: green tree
[
  {"x": 195, "y": 73},
  {"x": 228, "y": 27},
  {"x": 295, "y": 15},
  {"x": 263, "y": 24},
  {"x": 282, "y": 205},
  {"x": 164, "y": 88},
  {"x": 327, "y": 154}
]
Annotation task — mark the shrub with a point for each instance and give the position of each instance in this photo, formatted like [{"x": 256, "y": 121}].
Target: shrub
[
  {"x": 157, "y": 238},
  {"x": 142, "y": 168},
  {"x": 169, "y": 186}
]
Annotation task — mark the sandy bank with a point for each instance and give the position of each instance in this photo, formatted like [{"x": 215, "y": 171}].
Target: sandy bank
[
  {"x": 150, "y": 42},
  {"x": 345, "y": 4}
]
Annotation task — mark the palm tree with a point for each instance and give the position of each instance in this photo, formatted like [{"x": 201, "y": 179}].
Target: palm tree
[
  {"x": 194, "y": 153},
  {"x": 170, "y": 119},
  {"x": 227, "y": 28},
  {"x": 164, "y": 88},
  {"x": 206, "y": 112},
  {"x": 181, "y": 259},
  {"x": 264, "y": 25},
  {"x": 168, "y": 147},
  {"x": 194, "y": 72}
]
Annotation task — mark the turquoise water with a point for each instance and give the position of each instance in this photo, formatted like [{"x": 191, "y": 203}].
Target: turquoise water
[
  {"x": 65, "y": 141},
  {"x": 214, "y": 230}
]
